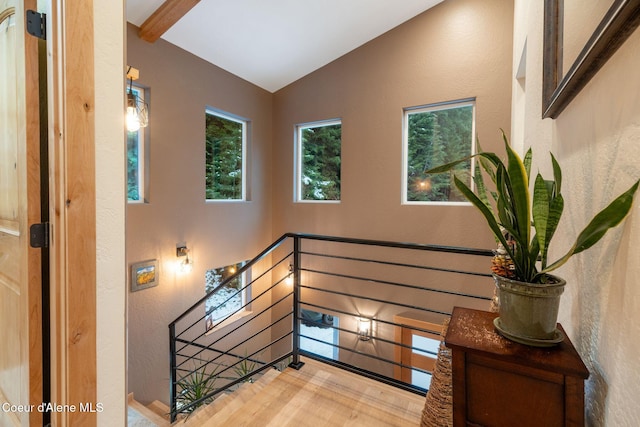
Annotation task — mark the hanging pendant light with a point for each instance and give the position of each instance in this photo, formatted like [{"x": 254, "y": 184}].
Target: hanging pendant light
[{"x": 136, "y": 109}]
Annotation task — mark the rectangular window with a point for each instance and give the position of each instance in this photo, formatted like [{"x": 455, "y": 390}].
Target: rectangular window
[
  {"x": 136, "y": 157},
  {"x": 319, "y": 333},
  {"x": 318, "y": 161},
  {"x": 435, "y": 135},
  {"x": 225, "y": 157},
  {"x": 231, "y": 299}
]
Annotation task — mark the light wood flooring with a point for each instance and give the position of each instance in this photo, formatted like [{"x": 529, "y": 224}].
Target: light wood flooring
[{"x": 316, "y": 395}]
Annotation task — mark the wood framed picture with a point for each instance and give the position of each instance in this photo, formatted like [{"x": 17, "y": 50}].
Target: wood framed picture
[{"x": 144, "y": 275}]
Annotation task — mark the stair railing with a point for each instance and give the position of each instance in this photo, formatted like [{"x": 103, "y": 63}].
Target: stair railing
[{"x": 342, "y": 278}]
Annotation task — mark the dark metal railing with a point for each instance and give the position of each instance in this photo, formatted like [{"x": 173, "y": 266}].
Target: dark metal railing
[{"x": 339, "y": 278}]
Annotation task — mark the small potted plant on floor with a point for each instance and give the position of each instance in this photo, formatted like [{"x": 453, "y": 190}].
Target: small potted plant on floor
[{"x": 523, "y": 224}]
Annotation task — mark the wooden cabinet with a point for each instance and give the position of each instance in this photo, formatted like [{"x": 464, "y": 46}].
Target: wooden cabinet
[{"x": 497, "y": 382}]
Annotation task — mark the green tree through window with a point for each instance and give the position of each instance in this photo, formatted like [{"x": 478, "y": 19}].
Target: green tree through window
[
  {"x": 133, "y": 166},
  {"x": 136, "y": 158},
  {"x": 319, "y": 161},
  {"x": 225, "y": 142},
  {"x": 435, "y": 136}
]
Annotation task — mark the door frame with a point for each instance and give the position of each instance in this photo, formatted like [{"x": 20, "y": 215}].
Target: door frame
[
  {"x": 72, "y": 208},
  {"x": 407, "y": 325},
  {"x": 87, "y": 208}
]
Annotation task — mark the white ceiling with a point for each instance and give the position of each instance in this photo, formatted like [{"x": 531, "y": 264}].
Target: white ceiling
[{"x": 272, "y": 43}]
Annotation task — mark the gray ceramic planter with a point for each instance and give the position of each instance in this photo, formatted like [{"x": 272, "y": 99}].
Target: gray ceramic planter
[{"x": 529, "y": 311}]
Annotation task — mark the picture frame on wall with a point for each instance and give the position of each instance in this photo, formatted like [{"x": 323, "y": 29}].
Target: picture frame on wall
[{"x": 144, "y": 275}]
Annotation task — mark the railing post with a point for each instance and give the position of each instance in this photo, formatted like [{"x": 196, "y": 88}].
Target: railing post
[
  {"x": 296, "y": 363},
  {"x": 173, "y": 372}
]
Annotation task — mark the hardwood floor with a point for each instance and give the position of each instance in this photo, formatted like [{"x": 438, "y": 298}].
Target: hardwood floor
[{"x": 316, "y": 395}]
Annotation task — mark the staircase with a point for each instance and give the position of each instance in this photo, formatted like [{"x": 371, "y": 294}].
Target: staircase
[
  {"x": 315, "y": 395},
  {"x": 354, "y": 282},
  {"x": 156, "y": 414}
]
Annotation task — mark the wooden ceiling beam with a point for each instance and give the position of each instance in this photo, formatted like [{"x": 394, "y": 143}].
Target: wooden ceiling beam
[{"x": 164, "y": 18}]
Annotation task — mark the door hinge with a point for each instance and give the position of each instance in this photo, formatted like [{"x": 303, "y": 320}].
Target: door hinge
[
  {"x": 37, "y": 24},
  {"x": 39, "y": 235}
]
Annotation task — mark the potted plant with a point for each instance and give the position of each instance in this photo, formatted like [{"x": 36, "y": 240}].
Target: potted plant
[{"x": 523, "y": 225}]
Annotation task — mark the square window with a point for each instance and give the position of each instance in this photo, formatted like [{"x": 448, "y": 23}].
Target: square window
[
  {"x": 136, "y": 157},
  {"x": 225, "y": 157},
  {"x": 318, "y": 161},
  {"x": 435, "y": 135}
]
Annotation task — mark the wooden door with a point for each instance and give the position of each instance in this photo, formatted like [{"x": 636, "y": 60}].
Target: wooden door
[{"x": 20, "y": 265}]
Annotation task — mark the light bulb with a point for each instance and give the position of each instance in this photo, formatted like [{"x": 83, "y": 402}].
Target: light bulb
[
  {"x": 364, "y": 329},
  {"x": 133, "y": 121}
]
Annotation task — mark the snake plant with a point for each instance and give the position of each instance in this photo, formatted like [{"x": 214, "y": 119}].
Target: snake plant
[{"x": 530, "y": 220}]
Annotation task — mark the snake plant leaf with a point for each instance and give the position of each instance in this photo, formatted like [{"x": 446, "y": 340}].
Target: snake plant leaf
[
  {"x": 519, "y": 193},
  {"x": 534, "y": 250},
  {"x": 540, "y": 210},
  {"x": 484, "y": 209},
  {"x": 547, "y": 209},
  {"x": 449, "y": 166},
  {"x": 527, "y": 160},
  {"x": 556, "y": 208},
  {"x": 488, "y": 164},
  {"x": 557, "y": 173},
  {"x": 608, "y": 218},
  {"x": 481, "y": 189}
]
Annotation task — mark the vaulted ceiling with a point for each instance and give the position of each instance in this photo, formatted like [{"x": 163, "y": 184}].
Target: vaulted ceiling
[{"x": 270, "y": 43}]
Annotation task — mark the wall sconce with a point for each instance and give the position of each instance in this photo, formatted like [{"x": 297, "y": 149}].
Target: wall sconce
[
  {"x": 364, "y": 328},
  {"x": 289, "y": 279},
  {"x": 136, "y": 108},
  {"x": 185, "y": 265}
]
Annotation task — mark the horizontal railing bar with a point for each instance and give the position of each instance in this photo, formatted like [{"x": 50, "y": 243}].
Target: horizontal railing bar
[
  {"x": 372, "y": 356},
  {"x": 204, "y": 347},
  {"x": 372, "y": 375},
  {"x": 244, "y": 341},
  {"x": 377, "y": 338},
  {"x": 237, "y": 311},
  {"x": 397, "y": 304},
  {"x": 396, "y": 264},
  {"x": 244, "y": 322},
  {"x": 209, "y": 294},
  {"x": 387, "y": 282},
  {"x": 388, "y": 244},
  {"x": 336, "y": 310},
  {"x": 244, "y": 268}
]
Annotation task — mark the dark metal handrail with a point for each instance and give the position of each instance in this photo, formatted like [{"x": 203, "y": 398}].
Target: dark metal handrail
[{"x": 277, "y": 339}]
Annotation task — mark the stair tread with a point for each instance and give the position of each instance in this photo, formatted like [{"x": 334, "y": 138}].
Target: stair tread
[
  {"x": 148, "y": 413},
  {"x": 325, "y": 395},
  {"x": 225, "y": 405},
  {"x": 159, "y": 408}
]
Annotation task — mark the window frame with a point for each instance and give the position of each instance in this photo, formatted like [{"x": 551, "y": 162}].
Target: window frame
[
  {"x": 142, "y": 93},
  {"x": 246, "y": 298},
  {"x": 307, "y": 344},
  {"x": 439, "y": 106},
  {"x": 297, "y": 184},
  {"x": 244, "y": 173}
]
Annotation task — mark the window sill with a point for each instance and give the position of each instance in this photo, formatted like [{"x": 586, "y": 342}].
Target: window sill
[{"x": 229, "y": 321}]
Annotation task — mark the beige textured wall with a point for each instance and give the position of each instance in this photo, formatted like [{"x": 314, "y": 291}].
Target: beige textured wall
[
  {"x": 218, "y": 234},
  {"x": 596, "y": 141},
  {"x": 109, "y": 39},
  {"x": 459, "y": 49}
]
